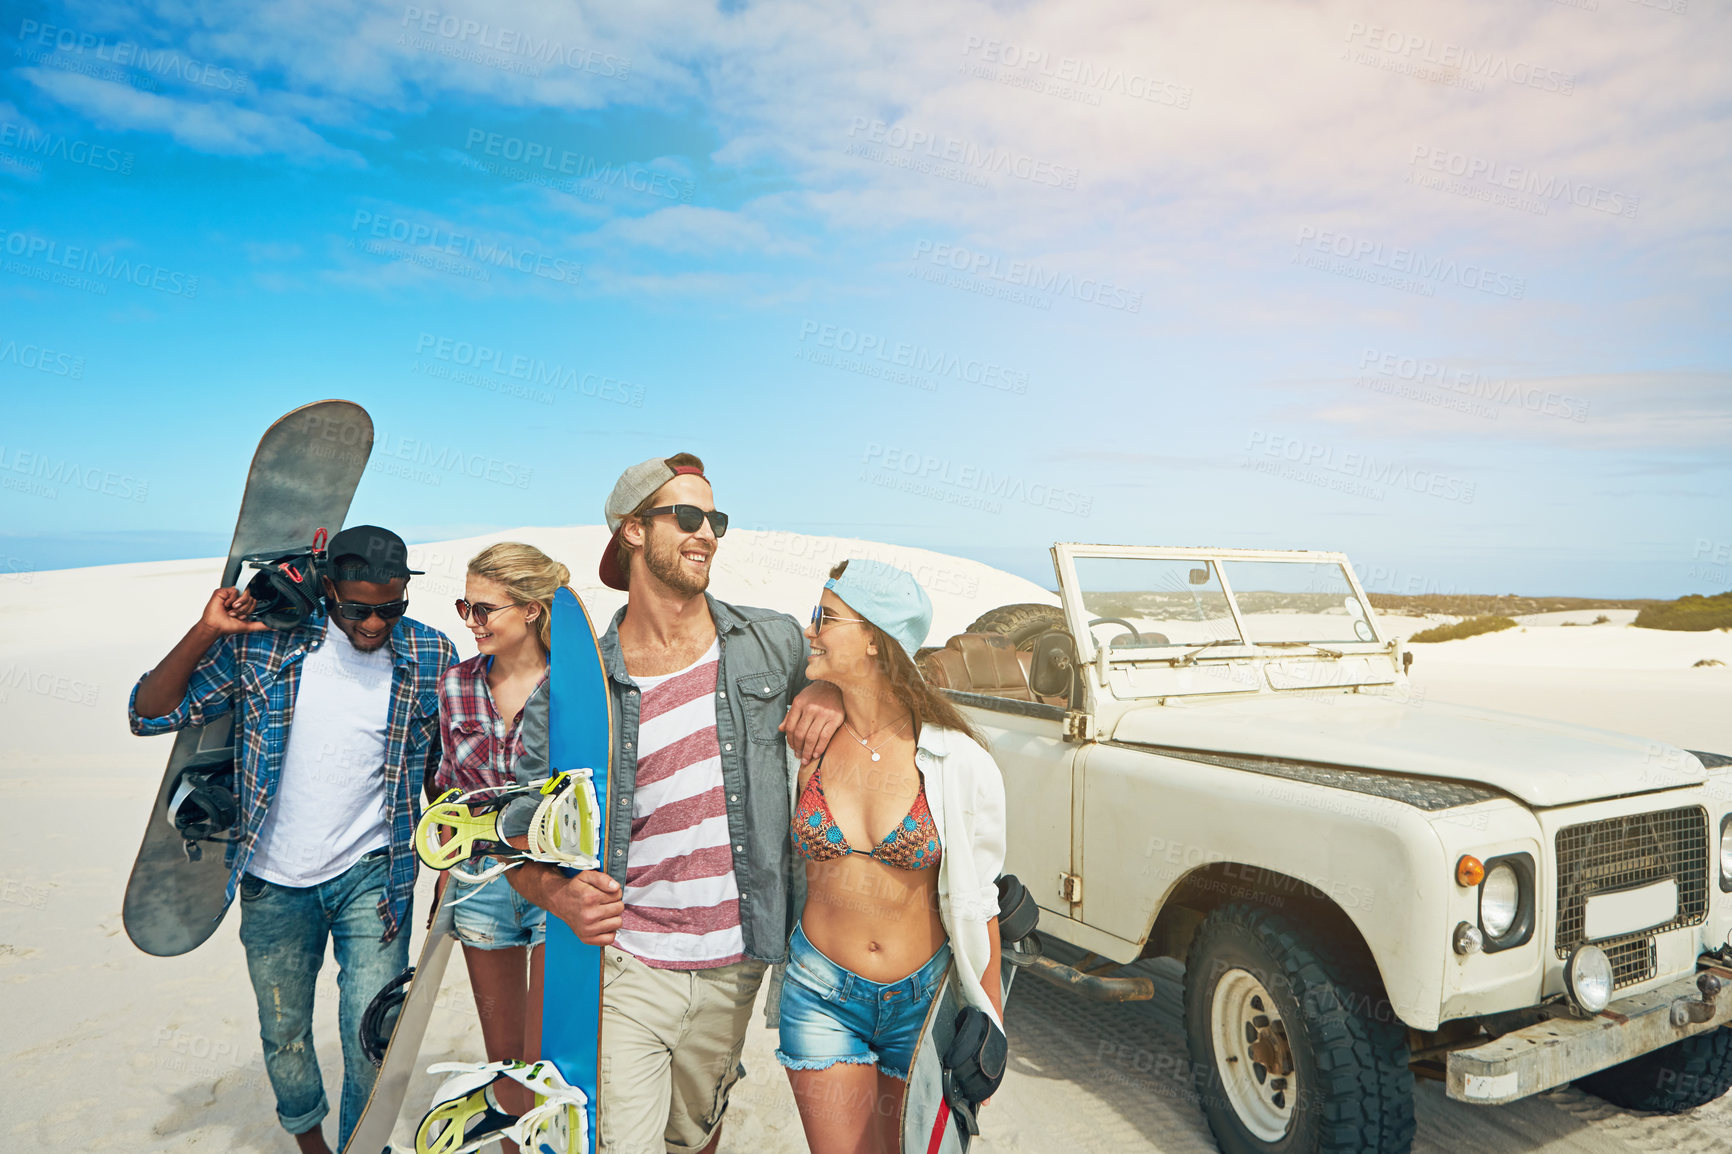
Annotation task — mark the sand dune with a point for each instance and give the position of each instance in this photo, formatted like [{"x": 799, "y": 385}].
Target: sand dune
[{"x": 107, "y": 1048}]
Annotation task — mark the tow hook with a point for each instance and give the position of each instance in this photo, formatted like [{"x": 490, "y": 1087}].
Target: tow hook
[{"x": 1698, "y": 1010}]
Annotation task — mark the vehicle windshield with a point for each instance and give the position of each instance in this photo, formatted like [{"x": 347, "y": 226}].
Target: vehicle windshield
[
  {"x": 1140, "y": 603},
  {"x": 1297, "y": 602},
  {"x": 1173, "y": 604}
]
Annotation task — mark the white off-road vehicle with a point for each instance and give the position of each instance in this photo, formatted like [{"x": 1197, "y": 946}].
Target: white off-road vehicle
[{"x": 1215, "y": 755}]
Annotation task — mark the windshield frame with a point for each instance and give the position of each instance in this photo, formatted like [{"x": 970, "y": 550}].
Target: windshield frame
[{"x": 1065, "y": 554}]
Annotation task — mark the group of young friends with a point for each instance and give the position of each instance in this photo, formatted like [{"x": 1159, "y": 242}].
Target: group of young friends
[{"x": 781, "y": 797}]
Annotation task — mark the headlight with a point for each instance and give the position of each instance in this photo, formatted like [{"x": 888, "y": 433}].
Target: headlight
[
  {"x": 1506, "y": 902},
  {"x": 1726, "y": 852},
  {"x": 1499, "y": 900},
  {"x": 1588, "y": 978}
]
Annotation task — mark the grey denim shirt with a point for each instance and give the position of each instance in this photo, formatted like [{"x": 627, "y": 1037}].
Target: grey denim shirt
[{"x": 763, "y": 666}]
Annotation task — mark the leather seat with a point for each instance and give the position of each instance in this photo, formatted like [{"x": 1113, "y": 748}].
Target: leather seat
[{"x": 980, "y": 663}]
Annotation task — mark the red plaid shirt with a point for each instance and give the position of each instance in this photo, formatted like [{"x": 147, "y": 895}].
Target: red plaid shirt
[{"x": 477, "y": 747}]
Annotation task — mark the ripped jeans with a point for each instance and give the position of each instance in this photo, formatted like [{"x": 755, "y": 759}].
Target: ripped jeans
[{"x": 284, "y": 929}]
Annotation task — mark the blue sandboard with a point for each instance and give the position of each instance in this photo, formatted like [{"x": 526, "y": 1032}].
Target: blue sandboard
[{"x": 580, "y": 735}]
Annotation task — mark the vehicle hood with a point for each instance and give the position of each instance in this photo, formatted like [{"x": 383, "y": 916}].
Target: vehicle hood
[{"x": 1543, "y": 763}]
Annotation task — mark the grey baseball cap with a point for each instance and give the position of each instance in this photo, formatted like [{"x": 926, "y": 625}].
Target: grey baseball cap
[{"x": 635, "y": 486}]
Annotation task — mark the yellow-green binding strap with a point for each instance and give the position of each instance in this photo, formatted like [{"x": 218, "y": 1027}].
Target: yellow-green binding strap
[
  {"x": 567, "y": 826},
  {"x": 432, "y": 1138},
  {"x": 466, "y": 829}
]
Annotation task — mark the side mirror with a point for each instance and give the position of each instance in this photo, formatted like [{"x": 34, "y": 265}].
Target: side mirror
[
  {"x": 1052, "y": 672},
  {"x": 1200, "y": 576}
]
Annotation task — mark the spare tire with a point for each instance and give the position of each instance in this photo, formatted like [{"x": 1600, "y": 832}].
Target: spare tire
[{"x": 1020, "y": 623}]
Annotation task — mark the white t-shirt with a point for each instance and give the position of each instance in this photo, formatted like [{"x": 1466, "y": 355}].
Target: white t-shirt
[{"x": 329, "y": 811}]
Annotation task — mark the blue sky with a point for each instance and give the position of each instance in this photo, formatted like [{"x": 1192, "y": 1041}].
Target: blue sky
[{"x": 1444, "y": 289}]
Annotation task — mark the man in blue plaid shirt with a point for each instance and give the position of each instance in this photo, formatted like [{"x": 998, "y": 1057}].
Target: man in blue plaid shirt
[{"x": 337, "y": 734}]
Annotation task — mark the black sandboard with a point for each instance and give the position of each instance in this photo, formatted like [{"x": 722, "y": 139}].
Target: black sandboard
[{"x": 303, "y": 475}]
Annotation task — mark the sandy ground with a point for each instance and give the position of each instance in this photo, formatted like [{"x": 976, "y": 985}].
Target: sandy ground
[{"x": 106, "y": 1048}]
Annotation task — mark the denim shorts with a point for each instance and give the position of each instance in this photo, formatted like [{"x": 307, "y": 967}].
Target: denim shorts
[
  {"x": 493, "y": 916},
  {"x": 831, "y": 1014}
]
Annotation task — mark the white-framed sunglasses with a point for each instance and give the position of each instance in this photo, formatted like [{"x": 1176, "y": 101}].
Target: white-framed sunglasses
[{"x": 822, "y": 617}]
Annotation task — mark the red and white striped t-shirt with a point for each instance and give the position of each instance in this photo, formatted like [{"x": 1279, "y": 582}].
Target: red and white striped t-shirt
[{"x": 682, "y": 905}]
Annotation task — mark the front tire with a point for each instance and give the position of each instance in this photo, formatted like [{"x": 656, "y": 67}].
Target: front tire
[
  {"x": 1290, "y": 1054},
  {"x": 1669, "y": 1080}
]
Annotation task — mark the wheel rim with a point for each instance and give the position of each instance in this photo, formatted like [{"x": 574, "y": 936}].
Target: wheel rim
[{"x": 1252, "y": 1055}]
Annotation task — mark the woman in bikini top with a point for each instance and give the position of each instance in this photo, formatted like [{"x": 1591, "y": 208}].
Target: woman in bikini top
[
  {"x": 873, "y": 854},
  {"x": 912, "y": 844}
]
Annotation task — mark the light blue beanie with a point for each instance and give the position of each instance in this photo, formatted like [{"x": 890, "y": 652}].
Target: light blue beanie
[{"x": 888, "y": 597}]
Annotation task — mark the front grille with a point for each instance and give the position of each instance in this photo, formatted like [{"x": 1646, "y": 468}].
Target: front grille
[
  {"x": 1632, "y": 960},
  {"x": 1621, "y": 853}
]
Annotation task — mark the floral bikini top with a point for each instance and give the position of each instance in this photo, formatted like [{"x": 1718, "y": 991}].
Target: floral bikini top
[{"x": 912, "y": 845}]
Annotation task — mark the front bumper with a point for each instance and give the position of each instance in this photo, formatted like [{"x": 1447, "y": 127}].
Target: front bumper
[{"x": 1559, "y": 1050}]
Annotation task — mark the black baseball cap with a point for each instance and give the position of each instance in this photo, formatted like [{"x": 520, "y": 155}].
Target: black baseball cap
[{"x": 369, "y": 553}]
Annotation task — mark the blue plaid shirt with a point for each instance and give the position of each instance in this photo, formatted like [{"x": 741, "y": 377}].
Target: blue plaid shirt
[{"x": 261, "y": 673}]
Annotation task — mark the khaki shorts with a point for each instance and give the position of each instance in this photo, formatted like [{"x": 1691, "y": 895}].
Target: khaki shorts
[{"x": 670, "y": 1051}]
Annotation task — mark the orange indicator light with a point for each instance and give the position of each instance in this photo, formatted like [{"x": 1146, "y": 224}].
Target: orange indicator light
[{"x": 1469, "y": 871}]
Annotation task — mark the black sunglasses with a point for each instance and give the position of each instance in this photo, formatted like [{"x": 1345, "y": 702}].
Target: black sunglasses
[
  {"x": 465, "y": 608},
  {"x": 361, "y": 610},
  {"x": 689, "y": 517}
]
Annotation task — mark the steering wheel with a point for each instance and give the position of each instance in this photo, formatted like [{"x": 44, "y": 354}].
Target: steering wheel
[{"x": 1135, "y": 636}]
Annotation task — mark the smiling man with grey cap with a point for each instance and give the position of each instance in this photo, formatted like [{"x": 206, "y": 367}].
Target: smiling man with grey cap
[{"x": 693, "y": 902}]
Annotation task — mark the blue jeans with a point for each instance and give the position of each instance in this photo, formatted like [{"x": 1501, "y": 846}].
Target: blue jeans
[
  {"x": 830, "y": 1014},
  {"x": 284, "y": 929}
]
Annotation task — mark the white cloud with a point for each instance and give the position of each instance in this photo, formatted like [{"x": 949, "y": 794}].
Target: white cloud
[{"x": 214, "y": 126}]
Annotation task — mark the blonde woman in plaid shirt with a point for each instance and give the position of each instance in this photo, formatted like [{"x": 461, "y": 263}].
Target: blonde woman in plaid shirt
[{"x": 507, "y": 604}]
